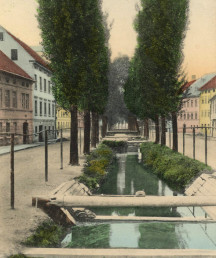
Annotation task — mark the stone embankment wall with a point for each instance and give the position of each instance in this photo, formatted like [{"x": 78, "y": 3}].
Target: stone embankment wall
[{"x": 204, "y": 185}]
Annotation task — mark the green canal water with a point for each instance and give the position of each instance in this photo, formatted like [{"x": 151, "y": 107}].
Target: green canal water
[{"x": 127, "y": 177}]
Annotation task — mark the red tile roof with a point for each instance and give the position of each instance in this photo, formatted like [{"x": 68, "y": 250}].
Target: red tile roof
[
  {"x": 209, "y": 85},
  {"x": 187, "y": 85},
  {"x": 31, "y": 52},
  {"x": 7, "y": 65}
]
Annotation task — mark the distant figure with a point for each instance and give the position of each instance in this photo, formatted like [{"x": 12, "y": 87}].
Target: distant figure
[{"x": 140, "y": 193}]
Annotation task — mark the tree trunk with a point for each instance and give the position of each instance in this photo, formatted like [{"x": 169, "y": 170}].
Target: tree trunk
[
  {"x": 87, "y": 129},
  {"x": 74, "y": 159},
  {"x": 146, "y": 128},
  {"x": 163, "y": 131},
  {"x": 175, "y": 131},
  {"x": 104, "y": 126},
  {"x": 94, "y": 130},
  {"x": 157, "y": 133}
]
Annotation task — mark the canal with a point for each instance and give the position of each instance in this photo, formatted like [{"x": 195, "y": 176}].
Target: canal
[{"x": 126, "y": 177}]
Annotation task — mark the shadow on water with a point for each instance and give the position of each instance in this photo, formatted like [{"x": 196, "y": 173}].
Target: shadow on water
[{"x": 126, "y": 177}]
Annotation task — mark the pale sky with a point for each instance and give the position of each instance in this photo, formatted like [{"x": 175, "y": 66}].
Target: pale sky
[{"x": 18, "y": 16}]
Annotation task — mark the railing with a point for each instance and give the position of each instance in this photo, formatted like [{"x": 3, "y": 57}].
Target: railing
[{"x": 12, "y": 161}]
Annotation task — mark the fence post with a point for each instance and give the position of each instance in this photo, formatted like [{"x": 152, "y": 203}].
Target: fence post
[
  {"x": 194, "y": 143},
  {"x": 80, "y": 141},
  {"x": 61, "y": 150},
  {"x": 184, "y": 130},
  {"x": 46, "y": 156},
  {"x": 12, "y": 171},
  {"x": 206, "y": 145}
]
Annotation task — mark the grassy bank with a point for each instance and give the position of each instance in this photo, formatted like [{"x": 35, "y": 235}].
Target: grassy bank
[
  {"x": 47, "y": 235},
  {"x": 174, "y": 168},
  {"x": 96, "y": 167}
]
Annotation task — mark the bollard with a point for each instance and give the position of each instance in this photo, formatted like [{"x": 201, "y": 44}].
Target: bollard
[
  {"x": 206, "y": 146},
  {"x": 61, "y": 150},
  {"x": 194, "y": 143},
  {"x": 184, "y": 130},
  {"x": 46, "y": 156},
  {"x": 12, "y": 171}
]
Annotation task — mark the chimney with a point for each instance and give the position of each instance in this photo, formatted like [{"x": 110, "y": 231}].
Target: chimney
[{"x": 193, "y": 77}]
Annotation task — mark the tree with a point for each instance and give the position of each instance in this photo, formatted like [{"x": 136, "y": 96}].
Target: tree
[
  {"x": 116, "y": 110},
  {"x": 161, "y": 26},
  {"x": 71, "y": 42}
]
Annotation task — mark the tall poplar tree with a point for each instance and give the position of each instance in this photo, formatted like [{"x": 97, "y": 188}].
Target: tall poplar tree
[{"x": 71, "y": 42}]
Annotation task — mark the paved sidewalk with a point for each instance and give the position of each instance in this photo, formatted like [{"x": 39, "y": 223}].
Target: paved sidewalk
[{"x": 6, "y": 149}]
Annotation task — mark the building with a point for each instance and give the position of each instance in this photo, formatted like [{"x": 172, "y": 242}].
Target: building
[
  {"x": 208, "y": 100},
  {"x": 207, "y": 92},
  {"x": 63, "y": 119},
  {"x": 192, "y": 110},
  {"x": 189, "y": 114},
  {"x": 44, "y": 113},
  {"x": 16, "y": 114}
]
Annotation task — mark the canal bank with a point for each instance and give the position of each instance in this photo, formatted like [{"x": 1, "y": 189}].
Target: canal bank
[{"x": 123, "y": 180}]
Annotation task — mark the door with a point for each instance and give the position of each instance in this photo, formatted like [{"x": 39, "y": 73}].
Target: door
[
  {"x": 40, "y": 133},
  {"x": 25, "y": 133}
]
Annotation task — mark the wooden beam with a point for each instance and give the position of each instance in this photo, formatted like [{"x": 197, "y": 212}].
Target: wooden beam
[
  {"x": 147, "y": 201},
  {"x": 149, "y": 219}
]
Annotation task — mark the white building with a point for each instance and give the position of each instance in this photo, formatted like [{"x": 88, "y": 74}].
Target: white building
[{"x": 44, "y": 114}]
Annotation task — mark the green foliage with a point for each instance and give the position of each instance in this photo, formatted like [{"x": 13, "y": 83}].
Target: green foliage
[
  {"x": 18, "y": 256},
  {"x": 48, "y": 234},
  {"x": 114, "y": 144},
  {"x": 74, "y": 41},
  {"x": 155, "y": 75},
  {"x": 96, "y": 167},
  {"x": 177, "y": 170}
]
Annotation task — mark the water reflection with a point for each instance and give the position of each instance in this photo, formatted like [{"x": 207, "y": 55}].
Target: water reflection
[{"x": 127, "y": 177}]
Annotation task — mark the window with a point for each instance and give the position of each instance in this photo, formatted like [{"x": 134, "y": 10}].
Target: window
[
  {"x": 23, "y": 100},
  {"x": 53, "y": 110},
  {"x": 14, "y": 99},
  {"x": 205, "y": 100},
  {"x": 202, "y": 100},
  {"x": 0, "y": 97},
  {"x": 195, "y": 115},
  {"x": 45, "y": 108},
  {"x": 195, "y": 102},
  {"x": 191, "y": 103},
  {"x": 49, "y": 87},
  {"x": 188, "y": 116},
  {"x": 213, "y": 90},
  {"x": 7, "y": 79},
  {"x": 41, "y": 84},
  {"x": 35, "y": 81},
  {"x": 1, "y": 36},
  {"x": 188, "y": 104},
  {"x": 191, "y": 115},
  {"x": 7, "y": 127},
  {"x": 35, "y": 108},
  {"x": 35, "y": 129},
  {"x": 15, "y": 127},
  {"x": 0, "y": 126},
  {"x": 14, "y": 81},
  {"x": 14, "y": 54},
  {"x": 184, "y": 116},
  {"x": 41, "y": 108},
  {"x": 27, "y": 101},
  {"x": 45, "y": 89},
  {"x": 49, "y": 109},
  {"x": 7, "y": 98}
]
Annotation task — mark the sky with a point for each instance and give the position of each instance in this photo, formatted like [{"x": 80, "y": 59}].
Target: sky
[{"x": 19, "y": 17}]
